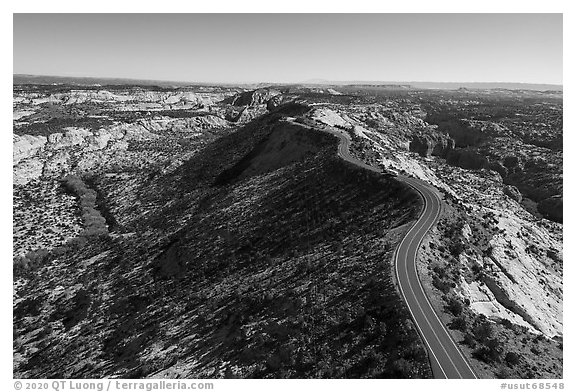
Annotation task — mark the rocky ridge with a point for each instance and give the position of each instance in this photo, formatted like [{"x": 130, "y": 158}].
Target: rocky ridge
[
  {"x": 498, "y": 256},
  {"x": 261, "y": 227}
]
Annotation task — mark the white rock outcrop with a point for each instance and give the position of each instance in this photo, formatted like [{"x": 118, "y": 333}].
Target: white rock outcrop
[
  {"x": 27, "y": 170},
  {"x": 26, "y": 146}
]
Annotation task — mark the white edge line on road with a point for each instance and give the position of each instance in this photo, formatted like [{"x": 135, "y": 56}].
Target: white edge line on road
[
  {"x": 428, "y": 300},
  {"x": 430, "y": 304},
  {"x": 423, "y": 292},
  {"x": 342, "y": 137},
  {"x": 434, "y": 311},
  {"x": 341, "y": 153},
  {"x": 406, "y": 301}
]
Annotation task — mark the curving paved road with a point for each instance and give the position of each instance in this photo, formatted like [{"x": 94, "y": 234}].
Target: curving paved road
[{"x": 446, "y": 359}]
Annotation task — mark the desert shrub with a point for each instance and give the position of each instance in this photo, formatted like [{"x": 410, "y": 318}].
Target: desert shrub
[
  {"x": 440, "y": 271},
  {"x": 476, "y": 269},
  {"x": 512, "y": 358},
  {"x": 507, "y": 324},
  {"x": 441, "y": 285},
  {"x": 459, "y": 323},
  {"x": 503, "y": 373},
  {"x": 489, "y": 352},
  {"x": 456, "y": 248},
  {"x": 469, "y": 340},
  {"x": 454, "y": 306},
  {"x": 483, "y": 331}
]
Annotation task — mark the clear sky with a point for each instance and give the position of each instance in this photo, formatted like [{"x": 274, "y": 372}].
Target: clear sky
[{"x": 292, "y": 47}]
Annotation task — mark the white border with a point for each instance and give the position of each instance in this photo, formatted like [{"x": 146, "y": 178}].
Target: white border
[{"x": 167, "y": 6}]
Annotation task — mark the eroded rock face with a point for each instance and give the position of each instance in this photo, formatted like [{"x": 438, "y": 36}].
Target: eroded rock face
[
  {"x": 188, "y": 125},
  {"x": 552, "y": 208},
  {"x": 275, "y": 101},
  {"x": 513, "y": 192},
  {"x": 472, "y": 132},
  {"x": 521, "y": 281},
  {"x": 525, "y": 153},
  {"x": 483, "y": 301},
  {"x": 85, "y": 150},
  {"x": 26, "y": 146},
  {"x": 244, "y": 114},
  {"x": 82, "y": 96},
  {"x": 73, "y": 137},
  {"x": 253, "y": 97},
  {"x": 52, "y": 156},
  {"x": 428, "y": 145}
]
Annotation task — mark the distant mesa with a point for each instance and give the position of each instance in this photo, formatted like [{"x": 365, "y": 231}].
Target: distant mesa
[{"x": 93, "y": 81}]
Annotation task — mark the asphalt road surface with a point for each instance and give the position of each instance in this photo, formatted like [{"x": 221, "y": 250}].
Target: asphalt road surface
[{"x": 446, "y": 359}]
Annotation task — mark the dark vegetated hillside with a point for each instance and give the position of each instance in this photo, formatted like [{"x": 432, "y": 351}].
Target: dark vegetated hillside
[
  {"x": 135, "y": 115},
  {"x": 57, "y": 124},
  {"x": 275, "y": 262}
]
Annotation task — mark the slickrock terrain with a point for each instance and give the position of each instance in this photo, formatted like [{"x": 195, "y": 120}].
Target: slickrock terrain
[
  {"x": 200, "y": 246},
  {"x": 213, "y": 231},
  {"x": 495, "y": 258}
]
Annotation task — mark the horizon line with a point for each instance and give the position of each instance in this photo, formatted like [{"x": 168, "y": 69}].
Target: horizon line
[{"x": 309, "y": 81}]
